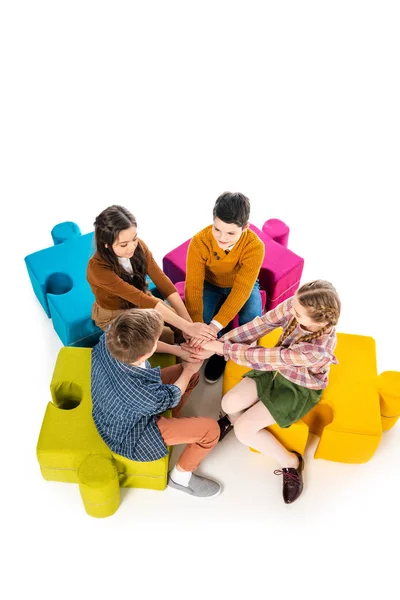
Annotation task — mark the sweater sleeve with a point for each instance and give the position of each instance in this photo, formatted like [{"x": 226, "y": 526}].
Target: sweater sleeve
[
  {"x": 195, "y": 275},
  {"x": 162, "y": 282},
  {"x": 245, "y": 279},
  {"x": 105, "y": 278}
]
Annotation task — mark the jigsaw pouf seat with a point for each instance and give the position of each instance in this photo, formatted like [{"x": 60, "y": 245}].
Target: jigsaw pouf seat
[
  {"x": 68, "y": 438},
  {"x": 348, "y": 417},
  {"x": 58, "y": 278},
  {"x": 280, "y": 271}
]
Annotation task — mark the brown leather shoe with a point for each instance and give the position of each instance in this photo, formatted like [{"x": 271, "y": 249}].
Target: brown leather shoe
[
  {"x": 225, "y": 426},
  {"x": 292, "y": 481}
]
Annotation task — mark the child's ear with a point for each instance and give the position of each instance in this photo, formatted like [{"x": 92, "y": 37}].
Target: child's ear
[
  {"x": 105, "y": 245},
  {"x": 247, "y": 225}
]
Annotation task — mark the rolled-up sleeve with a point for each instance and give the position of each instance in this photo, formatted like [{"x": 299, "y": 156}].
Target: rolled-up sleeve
[{"x": 156, "y": 398}]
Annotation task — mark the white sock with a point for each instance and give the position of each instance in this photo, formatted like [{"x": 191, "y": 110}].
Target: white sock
[{"x": 180, "y": 477}]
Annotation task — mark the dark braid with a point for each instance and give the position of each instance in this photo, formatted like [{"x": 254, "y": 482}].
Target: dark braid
[{"x": 108, "y": 225}]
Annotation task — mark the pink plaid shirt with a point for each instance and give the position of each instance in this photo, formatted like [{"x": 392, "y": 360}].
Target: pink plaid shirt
[{"x": 305, "y": 363}]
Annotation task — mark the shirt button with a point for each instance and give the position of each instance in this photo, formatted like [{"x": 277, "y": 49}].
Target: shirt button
[{"x": 218, "y": 257}]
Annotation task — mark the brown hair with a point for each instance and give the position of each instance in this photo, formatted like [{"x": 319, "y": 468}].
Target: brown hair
[
  {"x": 107, "y": 227},
  {"x": 133, "y": 334},
  {"x": 323, "y": 306}
]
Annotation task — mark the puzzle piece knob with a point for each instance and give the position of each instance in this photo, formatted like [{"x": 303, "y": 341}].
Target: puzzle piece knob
[
  {"x": 389, "y": 396},
  {"x": 65, "y": 231},
  {"x": 99, "y": 485},
  {"x": 277, "y": 230}
]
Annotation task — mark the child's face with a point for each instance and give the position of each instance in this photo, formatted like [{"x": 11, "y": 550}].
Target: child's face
[
  {"x": 226, "y": 234},
  {"x": 302, "y": 317},
  {"x": 126, "y": 243}
]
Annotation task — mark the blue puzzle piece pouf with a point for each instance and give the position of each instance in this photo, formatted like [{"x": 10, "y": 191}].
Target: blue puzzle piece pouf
[{"x": 58, "y": 277}]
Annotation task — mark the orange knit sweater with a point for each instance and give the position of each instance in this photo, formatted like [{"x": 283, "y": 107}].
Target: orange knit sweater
[{"x": 238, "y": 270}]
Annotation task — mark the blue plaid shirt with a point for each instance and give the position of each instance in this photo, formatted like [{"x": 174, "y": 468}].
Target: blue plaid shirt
[{"x": 126, "y": 400}]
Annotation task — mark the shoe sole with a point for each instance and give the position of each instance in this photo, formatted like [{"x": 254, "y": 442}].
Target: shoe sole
[
  {"x": 193, "y": 496},
  {"x": 212, "y": 380}
]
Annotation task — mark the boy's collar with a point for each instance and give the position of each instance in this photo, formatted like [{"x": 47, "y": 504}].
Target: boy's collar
[{"x": 151, "y": 373}]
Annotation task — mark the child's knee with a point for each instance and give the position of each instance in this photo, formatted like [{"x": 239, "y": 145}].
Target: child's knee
[
  {"x": 243, "y": 430},
  {"x": 212, "y": 431},
  {"x": 227, "y": 403}
]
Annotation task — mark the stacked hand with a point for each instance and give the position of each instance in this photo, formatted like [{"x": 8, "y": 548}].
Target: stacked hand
[
  {"x": 201, "y": 331},
  {"x": 205, "y": 335},
  {"x": 200, "y": 334},
  {"x": 204, "y": 352},
  {"x": 186, "y": 353}
]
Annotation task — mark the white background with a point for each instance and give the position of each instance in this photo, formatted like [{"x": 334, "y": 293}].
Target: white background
[{"x": 161, "y": 106}]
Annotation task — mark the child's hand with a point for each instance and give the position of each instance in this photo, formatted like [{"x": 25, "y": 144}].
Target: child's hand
[
  {"x": 198, "y": 342},
  {"x": 201, "y": 330},
  {"x": 188, "y": 355},
  {"x": 196, "y": 353},
  {"x": 186, "y": 336},
  {"x": 216, "y": 347}
]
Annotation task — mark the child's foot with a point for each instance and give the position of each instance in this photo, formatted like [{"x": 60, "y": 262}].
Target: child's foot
[
  {"x": 198, "y": 486},
  {"x": 214, "y": 368},
  {"x": 292, "y": 481},
  {"x": 225, "y": 426}
]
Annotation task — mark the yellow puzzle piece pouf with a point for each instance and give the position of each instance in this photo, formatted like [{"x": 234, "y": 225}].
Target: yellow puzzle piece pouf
[
  {"x": 71, "y": 450},
  {"x": 348, "y": 417}
]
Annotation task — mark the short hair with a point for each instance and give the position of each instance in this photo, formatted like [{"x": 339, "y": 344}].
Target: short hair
[
  {"x": 133, "y": 334},
  {"x": 232, "y": 208}
]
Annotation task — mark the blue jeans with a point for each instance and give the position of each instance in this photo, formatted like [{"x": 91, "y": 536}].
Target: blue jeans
[{"x": 214, "y": 297}]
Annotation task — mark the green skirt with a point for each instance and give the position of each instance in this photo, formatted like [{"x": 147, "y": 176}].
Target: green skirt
[{"x": 286, "y": 401}]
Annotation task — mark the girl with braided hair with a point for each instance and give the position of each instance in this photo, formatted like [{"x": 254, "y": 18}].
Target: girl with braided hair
[
  {"x": 117, "y": 275},
  {"x": 286, "y": 381}
]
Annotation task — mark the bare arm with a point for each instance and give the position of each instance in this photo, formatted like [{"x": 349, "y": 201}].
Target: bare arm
[
  {"x": 192, "y": 329},
  {"x": 176, "y": 302},
  {"x": 165, "y": 348},
  {"x": 189, "y": 369},
  {"x": 176, "y": 350}
]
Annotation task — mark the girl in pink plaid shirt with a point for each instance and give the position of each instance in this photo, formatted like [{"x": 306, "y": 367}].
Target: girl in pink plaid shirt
[{"x": 285, "y": 382}]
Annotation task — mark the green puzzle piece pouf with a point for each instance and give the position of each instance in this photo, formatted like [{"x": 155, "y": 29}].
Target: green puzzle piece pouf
[{"x": 70, "y": 449}]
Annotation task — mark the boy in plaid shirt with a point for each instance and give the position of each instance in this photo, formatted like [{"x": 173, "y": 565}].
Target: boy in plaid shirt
[{"x": 129, "y": 398}]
